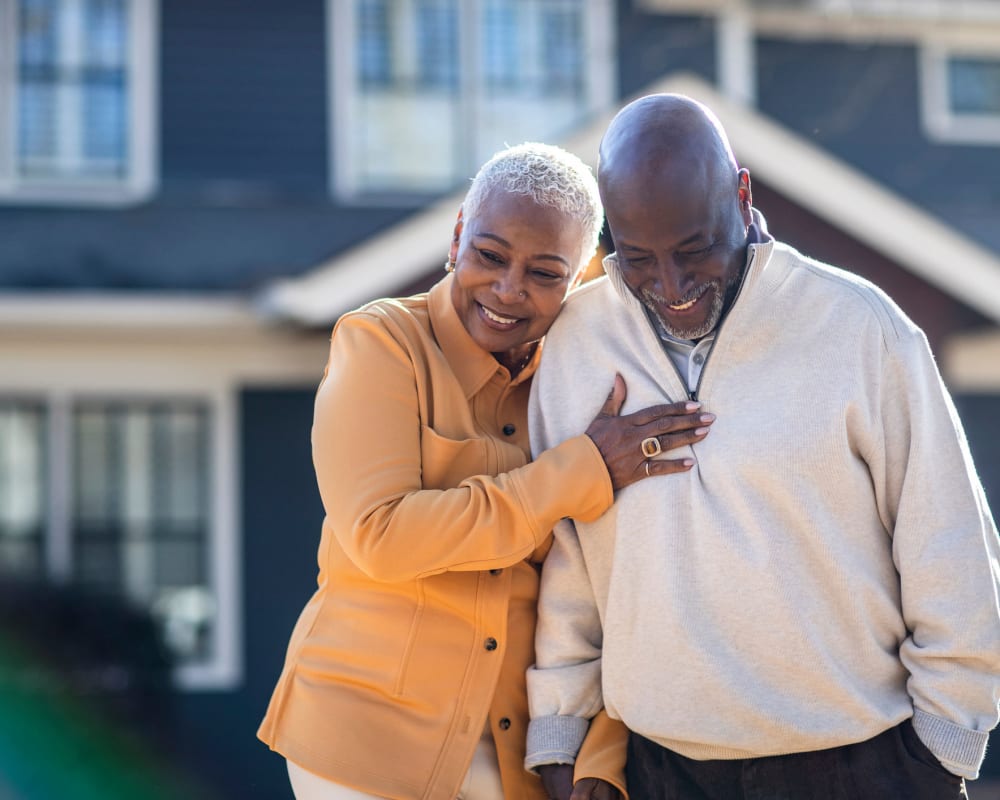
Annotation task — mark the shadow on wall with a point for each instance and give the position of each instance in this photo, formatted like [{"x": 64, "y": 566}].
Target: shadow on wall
[{"x": 85, "y": 699}]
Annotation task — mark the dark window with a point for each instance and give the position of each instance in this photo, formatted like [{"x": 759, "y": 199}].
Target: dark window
[{"x": 23, "y": 486}]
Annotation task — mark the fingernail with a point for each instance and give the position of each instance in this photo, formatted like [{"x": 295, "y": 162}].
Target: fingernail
[
  {"x": 687, "y": 462},
  {"x": 700, "y": 431},
  {"x": 692, "y": 406},
  {"x": 706, "y": 418}
]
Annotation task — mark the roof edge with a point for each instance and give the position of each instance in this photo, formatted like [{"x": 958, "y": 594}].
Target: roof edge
[{"x": 883, "y": 220}]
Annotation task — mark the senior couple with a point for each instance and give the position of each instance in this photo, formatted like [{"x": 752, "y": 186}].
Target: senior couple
[{"x": 770, "y": 570}]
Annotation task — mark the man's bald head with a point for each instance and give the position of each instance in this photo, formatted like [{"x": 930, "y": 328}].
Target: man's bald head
[{"x": 664, "y": 132}]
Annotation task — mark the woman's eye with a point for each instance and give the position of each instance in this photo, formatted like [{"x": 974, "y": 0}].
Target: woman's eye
[
  {"x": 545, "y": 275},
  {"x": 489, "y": 255}
]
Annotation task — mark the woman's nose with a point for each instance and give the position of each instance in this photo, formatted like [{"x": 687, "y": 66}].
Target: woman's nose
[{"x": 508, "y": 289}]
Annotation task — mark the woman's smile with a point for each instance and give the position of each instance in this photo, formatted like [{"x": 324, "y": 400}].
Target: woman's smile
[{"x": 498, "y": 321}]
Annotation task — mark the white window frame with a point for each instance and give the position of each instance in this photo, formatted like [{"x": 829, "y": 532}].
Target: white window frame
[
  {"x": 142, "y": 166},
  {"x": 223, "y": 669},
  {"x": 940, "y": 123},
  {"x": 600, "y": 78}
]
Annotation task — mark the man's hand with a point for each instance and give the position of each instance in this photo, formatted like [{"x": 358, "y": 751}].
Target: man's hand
[
  {"x": 594, "y": 789},
  {"x": 558, "y": 782}
]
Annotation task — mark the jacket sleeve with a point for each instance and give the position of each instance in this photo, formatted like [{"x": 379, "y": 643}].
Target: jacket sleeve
[
  {"x": 604, "y": 752},
  {"x": 367, "y": 454},
  {"x": 945, "y": 548}
]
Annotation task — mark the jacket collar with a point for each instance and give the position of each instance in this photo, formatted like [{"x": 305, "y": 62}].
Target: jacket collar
[{"x": 472, "y": 365}]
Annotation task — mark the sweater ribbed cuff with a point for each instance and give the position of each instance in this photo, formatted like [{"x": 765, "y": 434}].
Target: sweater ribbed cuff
[
  {"x": 960, "y": 750},
  {"x": 554, "y": 740}
]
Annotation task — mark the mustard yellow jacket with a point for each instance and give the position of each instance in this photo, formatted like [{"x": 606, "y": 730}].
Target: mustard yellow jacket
[{"x": 422, "y": 624}]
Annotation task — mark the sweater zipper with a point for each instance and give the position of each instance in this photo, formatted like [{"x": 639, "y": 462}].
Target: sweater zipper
[{"x": 693, "y": 395}]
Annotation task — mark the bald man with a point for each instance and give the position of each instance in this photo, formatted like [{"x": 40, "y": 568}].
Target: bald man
[{"x": 810, "y": 612}]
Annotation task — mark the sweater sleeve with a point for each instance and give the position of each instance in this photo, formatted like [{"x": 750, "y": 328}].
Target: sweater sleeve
[
  {"x": 367, "y": 455},
  {"x": 945, "y": 548},
  {"x": 564, "y": 685}
]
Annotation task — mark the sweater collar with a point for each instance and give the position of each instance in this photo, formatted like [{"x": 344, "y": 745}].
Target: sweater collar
[{"x": 472, "y": 365}]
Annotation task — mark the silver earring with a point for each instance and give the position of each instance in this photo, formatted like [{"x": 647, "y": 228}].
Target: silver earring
[{"x": 449, "y": 265}]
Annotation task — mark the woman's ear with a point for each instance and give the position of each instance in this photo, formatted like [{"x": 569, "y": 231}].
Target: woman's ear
[{"x": 456, "y": 236}]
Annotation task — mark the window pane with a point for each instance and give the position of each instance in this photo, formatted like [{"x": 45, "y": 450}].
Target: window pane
[
  {"x": 423, "y": 119},
  {"x": 974, "y": 85},
  {"x": 72, "y": 88},
  {"x": 23, "y": 487},
  {"x": 437, "y": 43},
  {"x": 533, "y": 80},
  {"x": 500, "y": 45},
  {"x": 374, "y": 55},
  {"x": 406, "y": 103},
  {"x": 562, "y": 50},
  {"x": 141, "y": 516}
]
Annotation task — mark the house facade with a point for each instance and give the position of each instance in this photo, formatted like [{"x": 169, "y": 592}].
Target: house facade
[{"x": 192, "y": 192}]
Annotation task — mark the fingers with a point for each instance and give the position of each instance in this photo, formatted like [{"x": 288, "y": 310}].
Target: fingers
[
  {"x": 686, "y": 434},
  {"x": 613, "y": 405},
  {"x": 583, "y": 789},
  {"x": 666, "y": 466},
  {"x": 664, "y": 411}
]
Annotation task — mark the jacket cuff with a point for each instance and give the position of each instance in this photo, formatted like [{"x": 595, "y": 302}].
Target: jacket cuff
[
  {"x": 959, "y": 749},
  {"x": 604, "y": 752},
  {"x": 554, "y": 740}
]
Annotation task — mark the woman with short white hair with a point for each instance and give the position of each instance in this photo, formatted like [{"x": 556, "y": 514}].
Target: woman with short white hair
[{"x": 405, "y": 675}]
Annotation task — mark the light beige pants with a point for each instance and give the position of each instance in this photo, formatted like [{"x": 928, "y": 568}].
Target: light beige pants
[{"x": 482, "y": 781}]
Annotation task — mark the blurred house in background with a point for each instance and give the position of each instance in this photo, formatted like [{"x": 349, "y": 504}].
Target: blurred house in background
[{"x": 192, "y": 191}]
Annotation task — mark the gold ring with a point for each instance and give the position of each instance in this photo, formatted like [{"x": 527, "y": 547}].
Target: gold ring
[
  {"x": 647, "y": 469},
  {"x": 651, "y": 447}
]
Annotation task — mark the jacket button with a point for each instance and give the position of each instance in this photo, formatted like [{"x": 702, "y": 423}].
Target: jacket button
[
  {"x": 490, "y": 644},
  {"x": 495, "y": 571},
  {"x": 509, "y": 430},
  {"x": 504, "y": 723}
]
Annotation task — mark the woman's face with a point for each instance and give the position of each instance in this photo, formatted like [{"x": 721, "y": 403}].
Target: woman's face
[{"x": 515, "y": 263}]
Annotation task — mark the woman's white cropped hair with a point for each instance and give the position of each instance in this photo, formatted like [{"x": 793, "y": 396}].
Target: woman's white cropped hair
[{"x": 548, "y": 175}]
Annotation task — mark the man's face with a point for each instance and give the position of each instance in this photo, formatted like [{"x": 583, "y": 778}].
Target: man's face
[{"x": 681, "y": 243}]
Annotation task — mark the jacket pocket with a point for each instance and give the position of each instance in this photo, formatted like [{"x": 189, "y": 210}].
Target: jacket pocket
[
  {"x": 411, "y": 639},
  {"x": 445, "y": 463}
]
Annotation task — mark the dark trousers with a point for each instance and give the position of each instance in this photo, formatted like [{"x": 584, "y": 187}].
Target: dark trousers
[{"x": 895, "y": 765}]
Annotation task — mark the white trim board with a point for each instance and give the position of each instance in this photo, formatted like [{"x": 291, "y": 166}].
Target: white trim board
[
  {"x": 851, "y": 20},
  {"x": 790, "y": 165},
  {"x": 971, "y": 362}
]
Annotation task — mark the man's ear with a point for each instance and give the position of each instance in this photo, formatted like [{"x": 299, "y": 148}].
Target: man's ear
[
  {"x": 456, "y": 236},
  {"x": 745, "y": 195}
]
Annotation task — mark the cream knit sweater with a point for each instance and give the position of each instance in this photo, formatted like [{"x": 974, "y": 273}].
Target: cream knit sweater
[{"x": 827, "y": 569}]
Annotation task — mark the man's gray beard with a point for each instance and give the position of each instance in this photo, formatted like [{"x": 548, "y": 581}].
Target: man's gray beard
[{"x": 706, "y": 327}]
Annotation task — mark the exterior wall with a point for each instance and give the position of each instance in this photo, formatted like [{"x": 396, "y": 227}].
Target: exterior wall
[
  {"x": 282, "y": 515},
  {"x": 862, "y": 103},
  {"x": 243, "y": 95},
  {"x": 242, "y": 196},
  {"x": 651, "y": 45},
  {"x": 979, "y": 413}
]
